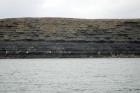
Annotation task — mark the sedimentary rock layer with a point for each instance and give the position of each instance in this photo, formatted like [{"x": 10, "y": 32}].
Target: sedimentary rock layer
[{"x": 67, "y": 38}]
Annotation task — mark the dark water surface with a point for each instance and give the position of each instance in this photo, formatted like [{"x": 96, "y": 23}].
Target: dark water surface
[{"x": 70, "y": 75}]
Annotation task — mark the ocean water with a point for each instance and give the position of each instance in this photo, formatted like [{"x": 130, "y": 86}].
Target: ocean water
[{"x": 113, "y": 75}]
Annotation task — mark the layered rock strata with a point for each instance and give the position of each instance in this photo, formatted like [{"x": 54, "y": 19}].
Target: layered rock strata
[{"x": 69, "y": 38}]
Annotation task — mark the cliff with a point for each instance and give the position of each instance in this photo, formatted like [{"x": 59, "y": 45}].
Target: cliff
[{"x": 66, "y": 37}]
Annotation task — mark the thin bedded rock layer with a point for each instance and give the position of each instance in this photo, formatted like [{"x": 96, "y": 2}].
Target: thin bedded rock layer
[{"x": 66, "y": 37}]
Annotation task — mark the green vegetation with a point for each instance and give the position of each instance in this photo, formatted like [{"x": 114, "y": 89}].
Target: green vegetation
[{"x": 69, "y": 29}]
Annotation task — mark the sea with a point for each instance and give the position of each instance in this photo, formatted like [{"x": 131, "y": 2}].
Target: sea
[{"x": 93, "y": 75}]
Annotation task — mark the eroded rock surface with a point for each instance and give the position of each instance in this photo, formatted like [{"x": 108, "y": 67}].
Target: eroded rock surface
[{"x": 61, "y": 37}]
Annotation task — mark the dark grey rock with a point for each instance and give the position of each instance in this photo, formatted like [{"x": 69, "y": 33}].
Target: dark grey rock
[{"x": 69, "y": 38}]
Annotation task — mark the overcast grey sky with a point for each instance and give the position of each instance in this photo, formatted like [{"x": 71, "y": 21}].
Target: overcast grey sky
[{"x": 70, "y": 8}]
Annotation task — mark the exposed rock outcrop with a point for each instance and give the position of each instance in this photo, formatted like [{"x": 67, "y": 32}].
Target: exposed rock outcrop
[{"x": 65, "y": 37}]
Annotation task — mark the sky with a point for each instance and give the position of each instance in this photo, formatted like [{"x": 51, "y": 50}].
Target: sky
[{"x": 90, "y": 9}]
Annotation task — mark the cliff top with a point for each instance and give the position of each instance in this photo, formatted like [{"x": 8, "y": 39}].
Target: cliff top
[{"x": 12, "y": 29}]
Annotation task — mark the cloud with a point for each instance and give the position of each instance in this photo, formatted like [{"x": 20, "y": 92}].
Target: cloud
[
  {"x": 19, "y": 8},
  {"x": 70, "y": 8}
]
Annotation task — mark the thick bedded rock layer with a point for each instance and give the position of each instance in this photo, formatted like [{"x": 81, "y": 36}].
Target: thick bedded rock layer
[{"x": 61, "y": 37}]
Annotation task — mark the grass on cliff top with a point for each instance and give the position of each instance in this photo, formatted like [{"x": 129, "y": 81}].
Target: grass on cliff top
[
  {"x": 57, "y": 24},
  {"x": 69, "y": 29}
]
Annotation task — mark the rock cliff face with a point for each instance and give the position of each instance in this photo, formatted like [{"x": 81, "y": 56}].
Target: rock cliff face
[{"x": 65, "y": 37}]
